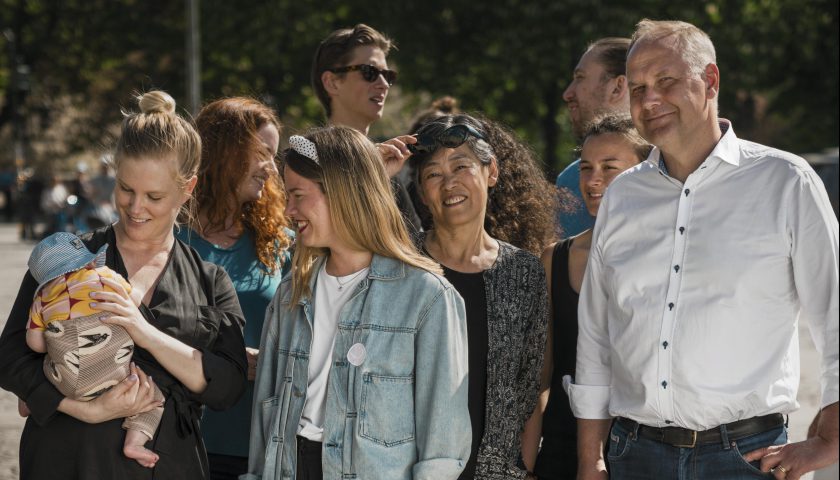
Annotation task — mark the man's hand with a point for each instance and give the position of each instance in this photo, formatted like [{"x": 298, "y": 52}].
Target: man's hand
[
  {"x": 394, "y": 153},
  {"x": 793, "y": 460},
  {"x": 598, "y": 471},
  {"x": 592, "y": 435}
]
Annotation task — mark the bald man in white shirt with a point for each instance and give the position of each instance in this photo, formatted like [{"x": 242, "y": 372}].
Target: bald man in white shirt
[{"x": 704, "y": 259}]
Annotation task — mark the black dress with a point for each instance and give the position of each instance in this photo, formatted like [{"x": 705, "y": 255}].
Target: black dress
[
  {"x": 558, "y": 456},
  {"x": 196, "y": 303}
]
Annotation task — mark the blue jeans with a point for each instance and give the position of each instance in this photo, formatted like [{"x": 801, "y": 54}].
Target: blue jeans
[{"x": 633, "y": 458}]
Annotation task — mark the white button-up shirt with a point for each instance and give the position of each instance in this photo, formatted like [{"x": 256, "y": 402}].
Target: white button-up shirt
[{"x": 689, "y": 306}]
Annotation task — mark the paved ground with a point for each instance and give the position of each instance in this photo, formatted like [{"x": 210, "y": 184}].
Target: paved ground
[{"x": 13, "y": 256}]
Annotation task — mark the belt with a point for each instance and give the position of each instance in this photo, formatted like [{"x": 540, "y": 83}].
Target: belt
[{"x": 685, "y": 438}]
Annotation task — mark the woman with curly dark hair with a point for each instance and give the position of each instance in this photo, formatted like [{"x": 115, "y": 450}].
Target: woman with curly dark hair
[
  {"x": 240, "y": 225},
  {"x": 484, "y": 192},
  {"x": 521, "y": 206}
]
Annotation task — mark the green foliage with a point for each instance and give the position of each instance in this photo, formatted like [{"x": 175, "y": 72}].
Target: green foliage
[{"x": 511, "y": 59}]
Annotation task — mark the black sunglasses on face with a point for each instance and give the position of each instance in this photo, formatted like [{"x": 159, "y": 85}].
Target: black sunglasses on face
[
  {"x": 369, "y": 72},
  {"x": 452, "y": 137}
]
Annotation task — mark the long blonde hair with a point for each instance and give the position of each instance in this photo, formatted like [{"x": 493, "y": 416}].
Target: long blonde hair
[{"x": 363, "y": 212}]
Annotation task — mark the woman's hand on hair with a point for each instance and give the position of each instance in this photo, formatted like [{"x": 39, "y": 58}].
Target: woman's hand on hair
[
  {"x": 394, "y": 153},
  {"x": 134, "y": 395},
  {"x": 124, "y": 312}
]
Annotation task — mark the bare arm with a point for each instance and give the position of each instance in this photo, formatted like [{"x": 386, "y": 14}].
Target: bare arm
[
  {"x": 179, "y": 359},
  {"x": 592, "y": 436},
  {"x": 532, "y": 434}
]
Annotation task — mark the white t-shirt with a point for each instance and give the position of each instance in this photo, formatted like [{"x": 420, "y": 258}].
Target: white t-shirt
[{"x": 331, "y": 293}]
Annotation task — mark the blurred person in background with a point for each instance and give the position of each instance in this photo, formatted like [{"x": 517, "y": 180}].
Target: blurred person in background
[
  {"x": 54, "y": 205},
  {"x": 101, "y": 189}
]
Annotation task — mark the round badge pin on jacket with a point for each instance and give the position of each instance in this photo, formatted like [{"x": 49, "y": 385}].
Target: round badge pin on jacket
[{"x": 357, "y": 354}]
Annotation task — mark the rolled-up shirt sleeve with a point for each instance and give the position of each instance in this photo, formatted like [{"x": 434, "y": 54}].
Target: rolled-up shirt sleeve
[
  {"x": 225, "y": 364},
  {"x": 813, "y": 231},
  {"x": 589, "y": 393}
]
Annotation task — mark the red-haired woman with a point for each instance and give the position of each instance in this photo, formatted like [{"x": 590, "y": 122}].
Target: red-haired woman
[{"x": 240, "y": 226}]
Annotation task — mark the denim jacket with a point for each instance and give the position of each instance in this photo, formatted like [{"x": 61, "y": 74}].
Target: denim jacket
[{"x": 401, "y": 414}]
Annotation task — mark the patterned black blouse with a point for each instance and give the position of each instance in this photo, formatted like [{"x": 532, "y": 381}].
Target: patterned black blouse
[{"x": 517, "y": 315}]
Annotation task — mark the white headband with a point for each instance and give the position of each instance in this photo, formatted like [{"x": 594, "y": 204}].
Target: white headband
[{"x": 305, "y": 147}]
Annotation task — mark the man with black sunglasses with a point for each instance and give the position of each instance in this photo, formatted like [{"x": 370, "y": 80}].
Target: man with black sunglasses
[{"x": 351, "y": 78}]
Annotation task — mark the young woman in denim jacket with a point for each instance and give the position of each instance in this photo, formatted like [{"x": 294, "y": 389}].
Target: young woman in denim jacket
[
  {"x": 482, "y": 187},
  {"x": 363, "y": 365}
]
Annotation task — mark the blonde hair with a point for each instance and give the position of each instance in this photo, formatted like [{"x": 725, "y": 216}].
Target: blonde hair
[
  {"x": 362, "y": 208},
  {"x": 693, "y": 44},
  {"x": 157, "y": 132}
]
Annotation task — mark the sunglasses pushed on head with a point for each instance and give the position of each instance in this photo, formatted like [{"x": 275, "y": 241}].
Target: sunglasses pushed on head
[{"x": 428, "y": 140}]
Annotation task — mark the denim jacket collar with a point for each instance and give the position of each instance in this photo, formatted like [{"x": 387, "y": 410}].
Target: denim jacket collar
[{"x": 381, "y": 268}]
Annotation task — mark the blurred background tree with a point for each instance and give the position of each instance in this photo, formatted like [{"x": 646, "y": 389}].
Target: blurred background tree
[{"x": 511, "y": 59}]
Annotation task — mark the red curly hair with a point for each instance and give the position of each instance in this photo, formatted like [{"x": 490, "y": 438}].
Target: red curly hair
[{"x": 228, "y": 129}]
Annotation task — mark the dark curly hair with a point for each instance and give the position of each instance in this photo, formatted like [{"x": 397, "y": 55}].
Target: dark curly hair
[{"x": 521, "y": 207}]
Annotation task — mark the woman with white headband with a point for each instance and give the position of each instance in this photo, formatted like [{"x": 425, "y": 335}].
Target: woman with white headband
[{"x": 363, "y": 371}]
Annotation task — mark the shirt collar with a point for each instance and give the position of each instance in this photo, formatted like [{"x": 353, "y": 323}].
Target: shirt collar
[{"x": 727, "y": 148}]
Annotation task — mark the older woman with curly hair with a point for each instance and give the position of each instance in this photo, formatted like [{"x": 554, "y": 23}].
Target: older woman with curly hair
[
  {"x": 486, "y": 194},
  {"x": 240, "y": 226}
]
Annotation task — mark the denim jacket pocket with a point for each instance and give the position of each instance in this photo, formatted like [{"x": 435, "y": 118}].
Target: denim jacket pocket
[{"x": 387, "y": 411}]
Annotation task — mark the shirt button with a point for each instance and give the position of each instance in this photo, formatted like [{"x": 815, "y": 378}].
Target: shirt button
[
  {"x": 671, "y": 306},
  {"x": 682, "y": 230},
  {"x": 687, "y": 191},
  {"x": 664, "y": 384},
  {"x": 665, "y": 344},
  {"x": 668, "y": 422},
  {"x": 677, "y": 268}
]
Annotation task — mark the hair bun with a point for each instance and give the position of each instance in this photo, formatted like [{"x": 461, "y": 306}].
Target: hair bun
[
  {"x": 156, "y": 101},
  {"x": 446, "y": 104}
]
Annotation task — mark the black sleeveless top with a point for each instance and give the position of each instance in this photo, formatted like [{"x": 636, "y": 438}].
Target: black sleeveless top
[
  {"x": 471, "y": 288},
  {"x": 558, "y": 456}
]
